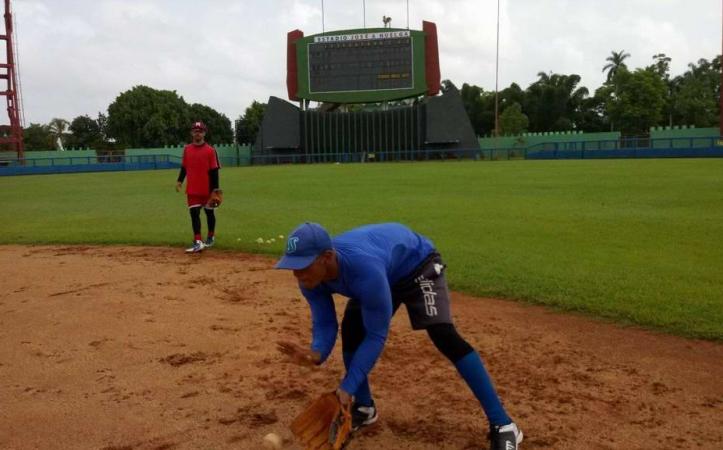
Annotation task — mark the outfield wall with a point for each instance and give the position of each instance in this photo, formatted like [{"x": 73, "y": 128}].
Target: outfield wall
[
  {"x": 663, "y": 142},
  {"x": 526, "y": 140},
  {"x": 132, "y": 159},
  {"x": 602, "y": 141},
  {"x": 683, "y": 132},
  {"x": 228, "y": 154}
]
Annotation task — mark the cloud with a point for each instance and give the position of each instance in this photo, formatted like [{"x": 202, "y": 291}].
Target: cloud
[{"x": 76, "y": 56}]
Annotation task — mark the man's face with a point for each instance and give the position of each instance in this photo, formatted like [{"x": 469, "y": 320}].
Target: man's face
[
  {"x": 313, "y": 274},
  {"x": 198, "y": 135}
]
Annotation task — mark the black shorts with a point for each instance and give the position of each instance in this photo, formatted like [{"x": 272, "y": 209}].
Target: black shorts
[{"x": 424, "y": 292}]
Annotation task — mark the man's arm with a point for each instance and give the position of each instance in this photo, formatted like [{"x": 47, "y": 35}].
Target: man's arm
[
  {"x": 213, "y": 165},
  {"x": 375, "y": 298},
  {"x": 182, "y": 172},
  {"x": 181, "y": 177},
  {"x": 213, "y": 179},
  {"x": 324, "y": 326}
]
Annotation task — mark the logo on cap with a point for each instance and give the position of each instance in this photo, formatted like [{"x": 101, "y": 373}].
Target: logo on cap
[
  {"x": 305, "y": 244},
  {"x": 291, "y": 244}
]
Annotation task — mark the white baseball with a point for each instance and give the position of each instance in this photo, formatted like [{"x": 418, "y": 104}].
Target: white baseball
[{"x": 273, "y": 441}]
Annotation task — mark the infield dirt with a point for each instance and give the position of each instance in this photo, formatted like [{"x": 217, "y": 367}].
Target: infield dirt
[{"x": 148, "y": 348}]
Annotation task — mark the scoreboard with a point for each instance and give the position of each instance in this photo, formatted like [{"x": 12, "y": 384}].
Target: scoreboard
[
  {"x": 357, "y": 66},
  {"x": 365, "y": 62}
]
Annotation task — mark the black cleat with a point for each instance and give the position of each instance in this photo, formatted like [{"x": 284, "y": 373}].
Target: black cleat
[
  {"x": 505, "y": 437},
  {"x": 362, "y": 416}
]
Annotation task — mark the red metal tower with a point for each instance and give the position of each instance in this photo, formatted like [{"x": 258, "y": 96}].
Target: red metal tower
[{"x": 11, "y": 136}]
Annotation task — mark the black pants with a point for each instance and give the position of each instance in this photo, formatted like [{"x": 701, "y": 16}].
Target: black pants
[{"x": 196, "y": 219}]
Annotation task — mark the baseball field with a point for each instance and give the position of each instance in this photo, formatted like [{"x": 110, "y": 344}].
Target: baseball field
[{"x": 593, "y": 290}]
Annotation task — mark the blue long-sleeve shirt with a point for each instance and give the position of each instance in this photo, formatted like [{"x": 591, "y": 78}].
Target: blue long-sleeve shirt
[{"x": 371, "y": 259}]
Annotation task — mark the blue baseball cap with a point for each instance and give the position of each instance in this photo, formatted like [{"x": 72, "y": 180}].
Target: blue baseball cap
[{"x": 305, "y": 243}]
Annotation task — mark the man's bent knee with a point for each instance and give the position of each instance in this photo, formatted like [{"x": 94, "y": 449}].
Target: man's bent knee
[{"x": 448, "y": 341}]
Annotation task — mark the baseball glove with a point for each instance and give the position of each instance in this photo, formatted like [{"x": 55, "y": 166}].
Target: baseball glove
[
  {"x": 324, "y": 425},
  {"x": 215, "y": 199}
]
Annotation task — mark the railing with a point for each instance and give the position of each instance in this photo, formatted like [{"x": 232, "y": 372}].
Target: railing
[
  {"x": 103, "y": 163},
  {"x": 618, "y": 148},
  {"x": 369, "y": 157},
  {"x": 693, "y": 147}
]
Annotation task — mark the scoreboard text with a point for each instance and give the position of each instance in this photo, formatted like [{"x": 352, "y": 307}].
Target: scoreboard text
[{"x": 361, "y": 62}]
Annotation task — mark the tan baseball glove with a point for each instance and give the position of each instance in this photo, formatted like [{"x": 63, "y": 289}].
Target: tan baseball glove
[
  {"x": 324, "y": 425},
  {"x": 215, "y": 199}
]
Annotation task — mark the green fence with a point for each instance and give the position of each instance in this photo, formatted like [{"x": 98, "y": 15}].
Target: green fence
[
  {"x": 228, "y": 154},
  {"x": 662, "y": 142},
  {"x": 527, "y": 140},
  {"x": 600, "y": 141}
]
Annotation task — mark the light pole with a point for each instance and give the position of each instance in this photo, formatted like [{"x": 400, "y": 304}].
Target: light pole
[{"x": 497, "y": 75}]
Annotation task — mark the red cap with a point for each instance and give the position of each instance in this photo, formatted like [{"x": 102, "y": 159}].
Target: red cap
[{"x": 198, "y": 126}]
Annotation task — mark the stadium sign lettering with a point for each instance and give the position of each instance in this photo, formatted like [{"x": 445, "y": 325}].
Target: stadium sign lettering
[{"x": 362, "y": 36}]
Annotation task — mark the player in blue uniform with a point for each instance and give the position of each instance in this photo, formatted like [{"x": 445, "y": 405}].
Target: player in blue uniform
[{"x": 379, "y": 267}]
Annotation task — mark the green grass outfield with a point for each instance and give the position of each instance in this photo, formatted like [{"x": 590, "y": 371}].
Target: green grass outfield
[{"x": 637, "y": 241}]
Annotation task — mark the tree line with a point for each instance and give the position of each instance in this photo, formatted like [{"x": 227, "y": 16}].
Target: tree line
[
  {"x": 629, "y": 101},
  {"x": 141, "y": 117}
]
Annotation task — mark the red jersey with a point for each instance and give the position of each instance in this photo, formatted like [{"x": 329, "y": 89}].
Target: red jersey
[{"x": 198, "y": 160}]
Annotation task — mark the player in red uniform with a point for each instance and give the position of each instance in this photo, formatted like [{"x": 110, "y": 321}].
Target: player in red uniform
[{"x": 200, "y": 164}]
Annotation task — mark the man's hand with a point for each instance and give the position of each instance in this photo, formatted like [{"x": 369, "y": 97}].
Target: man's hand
[
  {"x": 179, "y": 186},
  {"x": 298, "y": 354},
  {"x": 345, "y": 398}
]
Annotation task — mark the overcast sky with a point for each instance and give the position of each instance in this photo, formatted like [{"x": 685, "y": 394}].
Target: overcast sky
[{"x": 76, "y": 56}]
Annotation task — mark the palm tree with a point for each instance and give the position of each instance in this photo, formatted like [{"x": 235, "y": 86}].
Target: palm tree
[
  {"x": 553, "y": 102},
  {"x": 57, "y": 128},
  {"x": 616, "y": 63}
]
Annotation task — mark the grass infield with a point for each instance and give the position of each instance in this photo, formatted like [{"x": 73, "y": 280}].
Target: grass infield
[{"x": 636, "y": 241}]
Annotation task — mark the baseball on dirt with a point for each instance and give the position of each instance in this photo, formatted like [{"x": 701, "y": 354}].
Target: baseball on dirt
[{"x": 273, "y": 441}]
